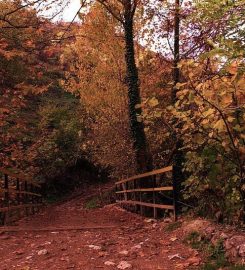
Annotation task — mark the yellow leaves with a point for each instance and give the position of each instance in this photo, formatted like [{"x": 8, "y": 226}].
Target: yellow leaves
[
  {"x": 177, "y": 104},
  {"x": 200, "y": 86},
  {"x": 190, "y": 62},
  {"x": 233, "y": 68},
  {"x": 230, "y": 119},
  {"x": 158, "y": 114},
  {"x": 170, "y": 108},
  {"x": 181, "y": 94},
  {"x": 153, "y": 102},
  {"x": 241, "y": 82},
  {"x": 180, "y": 65},
  {"x": 179, "y": 85},
  {"x": 198, "y": 101},
  {"x": 219, "y": 125},
  {"x": 211, "y": 43},
  {"x": 209, "y": 112},
  {"x": 205, "y": 122},
  {"x": 226, "y": 100}
]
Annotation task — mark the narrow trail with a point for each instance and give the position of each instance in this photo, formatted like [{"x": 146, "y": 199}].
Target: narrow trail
[{"x": 113, "y": 239}]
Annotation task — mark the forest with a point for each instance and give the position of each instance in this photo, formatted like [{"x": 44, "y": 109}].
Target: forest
[{"x": 126, "y": 87}]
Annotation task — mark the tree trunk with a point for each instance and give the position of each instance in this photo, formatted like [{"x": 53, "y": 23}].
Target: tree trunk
[
  {"x": 178, "y": 154},
  {"x": 176, "y": 71},
  {"x": 143, "y": 157}
]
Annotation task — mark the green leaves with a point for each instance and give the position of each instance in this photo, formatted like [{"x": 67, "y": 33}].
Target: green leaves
[{"x": 211, "y": 129}]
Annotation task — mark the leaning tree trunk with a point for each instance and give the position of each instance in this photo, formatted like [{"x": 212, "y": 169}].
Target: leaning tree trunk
[{"x": 143, "y": 157}]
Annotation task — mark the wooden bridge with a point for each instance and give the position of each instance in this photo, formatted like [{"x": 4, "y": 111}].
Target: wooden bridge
[
  {"x": 19, "y": 196},
  {"x": 132, "y": 192}
]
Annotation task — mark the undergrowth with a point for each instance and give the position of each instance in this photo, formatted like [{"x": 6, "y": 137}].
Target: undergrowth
[
  {"x": 173, "y": 226},
  {"x": 214, "y": 254},
  {"x": 92, "y": 203},
  {"x": 54, "y": 198},
  {"x": 98, "y": 201}
]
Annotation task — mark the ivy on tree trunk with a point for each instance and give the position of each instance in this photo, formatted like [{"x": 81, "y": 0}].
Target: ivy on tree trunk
[{"x": 126, "y": 18}]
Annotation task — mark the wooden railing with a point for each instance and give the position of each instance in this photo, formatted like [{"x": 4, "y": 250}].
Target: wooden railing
[
  {"x": 131, "y": 191},
  {"x": 19, "y": 196}
]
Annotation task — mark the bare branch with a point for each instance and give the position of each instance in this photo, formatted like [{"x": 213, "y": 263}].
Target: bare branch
[
  {"x": 11, "y": 25},
  {"x": 72, "y": 21},
  {"x": 21, "y": 7},
  {"x": 134, "y": 6}
]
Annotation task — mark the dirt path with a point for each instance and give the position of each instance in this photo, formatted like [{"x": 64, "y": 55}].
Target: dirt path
[{"x": 131, "y": 242}]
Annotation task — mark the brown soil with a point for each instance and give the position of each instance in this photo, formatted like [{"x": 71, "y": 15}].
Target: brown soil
[{"x": 143, "y": 245}]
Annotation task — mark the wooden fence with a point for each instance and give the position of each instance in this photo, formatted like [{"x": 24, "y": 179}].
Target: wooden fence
[
  {"x": 133, "y": 192},
  {"x": 19, "y": 196}
]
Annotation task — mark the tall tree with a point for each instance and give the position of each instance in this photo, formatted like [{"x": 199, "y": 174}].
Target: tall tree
[
  {"x": 124, "y": 12},
  {"x": 176, "y": 71},
  {"x": 178, "y": 155},
  {"x": 106, "y": 100}
]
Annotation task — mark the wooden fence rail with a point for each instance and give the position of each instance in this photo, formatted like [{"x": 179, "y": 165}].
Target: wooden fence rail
[
  {"x": 132, "y": 191},
  {"x": 19, "y": 196}
]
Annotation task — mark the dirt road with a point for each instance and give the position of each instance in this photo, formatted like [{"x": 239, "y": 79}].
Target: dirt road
[{"x": 104, "y": 238}]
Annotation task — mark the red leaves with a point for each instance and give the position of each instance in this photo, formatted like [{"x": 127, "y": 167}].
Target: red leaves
[{"x": 30, "y": 44}]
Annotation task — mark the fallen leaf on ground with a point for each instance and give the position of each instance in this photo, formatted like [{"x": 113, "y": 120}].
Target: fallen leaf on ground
[
  {"x": 123, "y": 252},
  {"x": 175, "y": 256},
  {"x": 124, "y": 265},
  {"x": 42, "y": 252},
  {"x": 173, "y": 239},
  {"x": 94, "y": 247},
  {"x": 109, "y": 263}
]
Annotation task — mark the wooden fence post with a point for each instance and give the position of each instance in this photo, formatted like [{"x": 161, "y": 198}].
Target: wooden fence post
[
  {"x": 6, "y": 196},
  {"x": 133, "y": 193},
  {"x": 26, "y": 197},
  {"x": 141, "y": 206},
  {"x": 175, "y": 197},
  {"x": 154, "y": 197},
  {"x": 18, "y": 195},
  {"x": 32, "y": 200}
]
